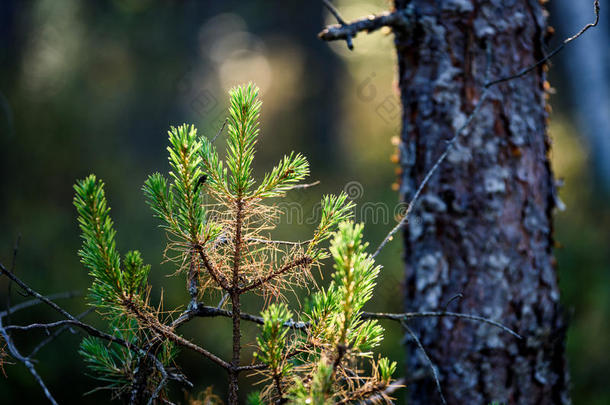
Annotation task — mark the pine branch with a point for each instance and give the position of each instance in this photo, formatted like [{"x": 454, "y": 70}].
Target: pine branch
[
  {"x": 90, "y": 330},
  {"x": 301, "y": 261},
  {"x": 167, "y": 331}
]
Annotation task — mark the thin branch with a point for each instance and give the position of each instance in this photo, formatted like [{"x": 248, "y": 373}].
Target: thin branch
[
  {"x": 442, "y": 157},
  {"x": 553, "y": 53},
  {"x": 159, "y": 387},
  {"x": 219, "y": 131},
  {"x": 252, "y": 367},
  {"x": 426, "y": 179},
  {"x": 223, "y": 239},
  {"x": 432, "y": 367},
  {"x": 193, "y": 276},
  {"x": 389, "y": 390},
  {"x": 410, "y": 315},
  {"x": 168, "y": 332},
  {"x": 334, "y": 12},
  {"x": 30, "y": 303},
  {"x": 223, "y": 299},
  {"x": 303, "y": 186},
  {"x": 397, "y": 20},
  {"x": 47, "y": 326},
  {"x": 56, "y": 334},
  {"x": 302, "y": 261},
  {"x": 10, "y": 284},
  {"x": 456, "y": 297},
  {"x": 90, "y": 329},
  {"x": 277, "y": 242},
  {"x": 204, "y": 311},
  {"x": 216, "y": 276},
  {"x": 26, "y": 361},
  {"x": 87, "y": 328}
]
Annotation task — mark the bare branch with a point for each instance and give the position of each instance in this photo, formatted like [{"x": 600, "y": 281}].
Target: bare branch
[
  {"x": 10, "y": 284},
  {"x": 432, "y": 367},
  {"x": 87, "y": 328},
  {"x": 334, "y": 12},
  {"x": 30, "y": 303},
  {"x": 303, "y": 186},
  {"x": 55, "y": 334},
  {"x": 168, "y": 332},
  {"x": 426, "y": 179},
  {"x": 398, "y": 20},
  {"x": 47, "y": 326},
  {"x": 219, "y": 131},
  {"x": 277, "y": 242},
  {"x": 389, "y": 390},
  {"x": 204, "y": 311},
  {"x": 159, "y": 387},
  {"x": 441, "y": 158},
  {"x": 25, "y": 360},
  {"x": 410, "y": 315},
  {"x": 302, "y": 261},
  {"x": 193, "y": 276},
  {"x": 252, "y": 367}
]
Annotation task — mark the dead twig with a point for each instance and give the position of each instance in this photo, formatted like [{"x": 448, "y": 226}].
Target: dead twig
[
  {"x": 432, "y": 366},
  {"x": 398, "y": 20},
  {"x": 56, "y": 334},
  {"x": 26, "y": 361},
  {"x": 430, "y": 314},
  {"x": 31, "y": 303}
]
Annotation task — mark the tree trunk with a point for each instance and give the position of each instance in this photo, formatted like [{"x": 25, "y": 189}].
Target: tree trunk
[{"x": 483, "y": 225}]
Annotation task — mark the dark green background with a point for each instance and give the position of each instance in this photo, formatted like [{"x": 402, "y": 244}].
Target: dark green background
[{"x": 93, "y": 87}]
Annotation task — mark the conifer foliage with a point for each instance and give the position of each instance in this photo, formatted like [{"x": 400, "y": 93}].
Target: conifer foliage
[{"x": 219, "y": 220}]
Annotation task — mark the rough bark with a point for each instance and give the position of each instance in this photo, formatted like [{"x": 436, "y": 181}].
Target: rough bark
[{"x": 483, "y": 226}]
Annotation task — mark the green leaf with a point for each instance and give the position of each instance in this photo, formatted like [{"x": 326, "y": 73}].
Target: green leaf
[
  {"x": 335, "y": 209},
  {"x": 386, "y": 369},
  {"x": 291, "y": 169},
  {"x": 106, "y": 361},
  {"x": 135, "y": 274},
  {"x": 255, "y": 398},
  {"x": 244, "y": 111},
  {"x": 213, "y": 167},
  {"x": 161, "y": 201},
  {"x": 355, "y": 275},
  {"x": 99, "y": 252},
  {"x": 272, "y": 342},
  {"x": 185, "y": 161}
]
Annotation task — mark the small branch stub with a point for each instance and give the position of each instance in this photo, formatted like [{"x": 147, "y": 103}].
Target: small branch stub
[{"x": 400, "y": 20}]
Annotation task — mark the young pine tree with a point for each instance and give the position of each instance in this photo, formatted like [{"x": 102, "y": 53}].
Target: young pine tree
[{"x": 218, "y": 220}]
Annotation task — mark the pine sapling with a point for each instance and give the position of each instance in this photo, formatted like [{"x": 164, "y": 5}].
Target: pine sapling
[{"x": 218, "y": 220}]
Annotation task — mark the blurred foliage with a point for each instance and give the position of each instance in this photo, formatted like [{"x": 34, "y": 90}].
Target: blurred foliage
[{"x": 93, "y": 86}]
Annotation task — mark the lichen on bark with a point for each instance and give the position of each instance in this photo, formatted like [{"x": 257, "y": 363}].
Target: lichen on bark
[{"x": 486, "y": 215}]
